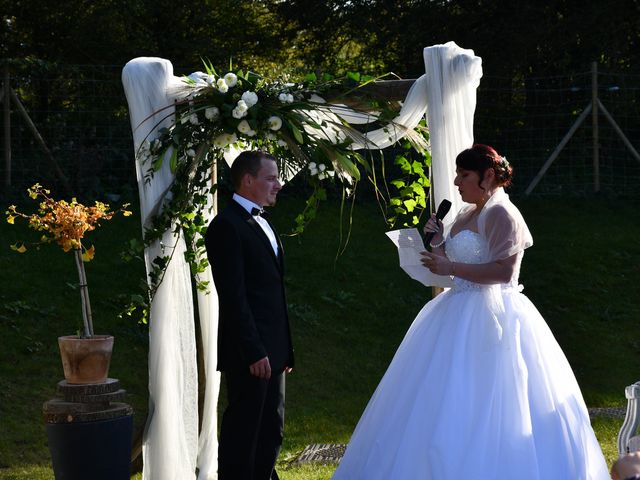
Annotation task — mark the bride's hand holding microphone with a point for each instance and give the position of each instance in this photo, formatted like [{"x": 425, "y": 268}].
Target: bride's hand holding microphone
[
  {"x": 433, "y": 231},
  {"x": 435, "y": 261}
]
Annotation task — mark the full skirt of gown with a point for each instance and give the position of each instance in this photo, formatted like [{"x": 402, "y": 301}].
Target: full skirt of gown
[{"x": 472, "y": 394}]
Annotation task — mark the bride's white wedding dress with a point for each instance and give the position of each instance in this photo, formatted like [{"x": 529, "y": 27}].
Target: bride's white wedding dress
[{"x": 479, "y": 388}]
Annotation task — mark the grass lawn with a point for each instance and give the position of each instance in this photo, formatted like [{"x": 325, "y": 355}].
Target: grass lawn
[{"x": 348, "y": 317}]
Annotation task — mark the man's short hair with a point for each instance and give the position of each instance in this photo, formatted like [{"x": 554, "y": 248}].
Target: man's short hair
[{"x": 249, "y": 162}]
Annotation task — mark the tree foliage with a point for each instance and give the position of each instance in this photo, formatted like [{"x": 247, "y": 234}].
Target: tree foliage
[{"x": 512, "y": 37}]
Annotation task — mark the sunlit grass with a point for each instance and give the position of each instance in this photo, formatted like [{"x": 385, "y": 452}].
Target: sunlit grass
[{"x": 347, "y": 317}]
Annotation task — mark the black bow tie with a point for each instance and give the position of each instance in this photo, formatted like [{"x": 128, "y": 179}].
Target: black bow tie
[{"x": 259, "y": 211}]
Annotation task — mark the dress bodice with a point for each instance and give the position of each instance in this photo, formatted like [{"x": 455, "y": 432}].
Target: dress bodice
[
  {"x": 467, "y": 247},
  {"x": 470, "y": 247}
]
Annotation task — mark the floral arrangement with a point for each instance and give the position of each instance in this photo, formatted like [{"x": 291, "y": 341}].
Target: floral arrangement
[
  {"x": 66, "y": 223},
  {"x": 304, "y": 124}
]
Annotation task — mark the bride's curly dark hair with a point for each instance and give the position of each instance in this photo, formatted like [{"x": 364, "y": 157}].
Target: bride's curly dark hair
[{"x": 481, "y": 158}]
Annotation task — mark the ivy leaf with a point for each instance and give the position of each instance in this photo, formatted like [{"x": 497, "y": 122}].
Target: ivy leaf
[
  {"x": 353, "y": 76},
  {"x": 418, "y": 189},
  {"x": 417, "y": 167},
  {"x": 410, "y": 204}
]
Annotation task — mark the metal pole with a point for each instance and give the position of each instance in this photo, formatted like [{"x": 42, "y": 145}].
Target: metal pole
[
  {"x": 594, "y": 125},
  {"x": 7, "y": 130},
  {"x": 619, "y": 131},
  {"x": 558, "y": 149},
  {"x": 40, "y": 140}
]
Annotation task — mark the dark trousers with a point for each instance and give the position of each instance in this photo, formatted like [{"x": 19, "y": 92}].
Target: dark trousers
[{"x": 252, "y": 427}]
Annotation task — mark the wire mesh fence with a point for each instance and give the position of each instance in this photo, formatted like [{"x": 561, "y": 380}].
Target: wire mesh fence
[
  {"x": 81, "y": 114},
  {"x": 527, "y": 119}
]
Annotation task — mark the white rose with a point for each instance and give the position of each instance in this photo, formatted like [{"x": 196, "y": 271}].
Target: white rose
[
  {"x": 282, "y": 143},
  {"x": 212, "y": 113},
  {"x": 225, "y": 139},
  {"x": 242, "y": 106},
  {"x": 275, "y": 123},
  {"x": 322, "y": 176},
  {"x": 282, "y": 97},
  {"x": 321, "y": 167},
  {"x": 231, "y": 79},
  {"x": 244, "y": 127},
  {"x": 312, "y": 165},
  {"x": 191, "y": 152},
  {"x": 250, "y": 98},
  {"x": 238, "y": 114},
  {"x": 289, "y": 98},
  {"x": 251, "y": 133},
  {"x": 222, "y": 85},
  {"x": 193, "y": 118}
]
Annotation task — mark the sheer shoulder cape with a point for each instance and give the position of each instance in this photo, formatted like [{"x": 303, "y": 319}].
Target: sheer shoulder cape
[{"x": 502, "y": 225}]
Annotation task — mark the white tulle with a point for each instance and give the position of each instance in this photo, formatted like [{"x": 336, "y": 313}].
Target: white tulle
[
  {"x": 170, "y": 446},
  {"x": 453, "y": 75},
  {"x": 476, "y": 390}
]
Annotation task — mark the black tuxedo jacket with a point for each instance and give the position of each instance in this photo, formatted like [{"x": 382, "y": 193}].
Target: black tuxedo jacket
[{"x": 249, "y": 279}]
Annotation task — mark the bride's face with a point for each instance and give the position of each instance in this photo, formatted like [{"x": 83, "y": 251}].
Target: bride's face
[{"x": 468, "y": 183}]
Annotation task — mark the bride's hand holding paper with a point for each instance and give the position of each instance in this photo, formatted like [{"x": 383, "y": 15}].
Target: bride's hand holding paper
[{"x": 436, "y": 263}]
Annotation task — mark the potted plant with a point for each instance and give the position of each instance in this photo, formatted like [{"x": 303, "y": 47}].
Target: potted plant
[{"x": 85, "y": 356}]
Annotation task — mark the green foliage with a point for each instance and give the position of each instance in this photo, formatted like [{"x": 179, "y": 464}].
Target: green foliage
[{"x": 413, "y": 187}]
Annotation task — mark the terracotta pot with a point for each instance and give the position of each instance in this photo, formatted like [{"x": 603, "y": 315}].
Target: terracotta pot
[{"x": 85, "y": 360}]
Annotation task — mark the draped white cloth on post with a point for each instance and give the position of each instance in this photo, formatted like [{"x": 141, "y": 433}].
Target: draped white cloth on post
[
  {"x": 171, "y": 446},
  {"x": 453, "y": 75}
]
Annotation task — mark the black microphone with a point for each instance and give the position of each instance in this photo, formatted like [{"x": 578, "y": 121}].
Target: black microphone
[{"x": 443, "y": 209}]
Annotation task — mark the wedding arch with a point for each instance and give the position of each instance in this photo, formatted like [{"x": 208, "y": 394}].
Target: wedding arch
[{"x": 181, "y": 127}]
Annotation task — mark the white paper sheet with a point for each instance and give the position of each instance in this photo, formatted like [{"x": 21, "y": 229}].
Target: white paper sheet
[{"x": 409, "y": 244}]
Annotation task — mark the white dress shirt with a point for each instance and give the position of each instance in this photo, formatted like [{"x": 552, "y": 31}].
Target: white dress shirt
[{"x": 248, "y": 205}]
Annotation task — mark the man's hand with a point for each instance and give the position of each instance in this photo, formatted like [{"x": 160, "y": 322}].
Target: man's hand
[{"x": 261, "y": 369}]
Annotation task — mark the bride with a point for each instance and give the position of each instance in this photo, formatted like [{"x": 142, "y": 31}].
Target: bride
[{"x": 479, "y": 388}]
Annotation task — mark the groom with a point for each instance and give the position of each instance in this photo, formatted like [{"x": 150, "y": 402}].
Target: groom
[{"x": 254, "y": 340}]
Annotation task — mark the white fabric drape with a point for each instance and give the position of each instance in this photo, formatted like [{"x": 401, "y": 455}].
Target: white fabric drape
[
  {"x": 171, "y": 448},
  {"x": 453, "y": 75}
]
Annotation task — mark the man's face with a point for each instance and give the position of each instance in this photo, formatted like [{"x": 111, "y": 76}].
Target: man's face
[{"x": 264, "y": 187}]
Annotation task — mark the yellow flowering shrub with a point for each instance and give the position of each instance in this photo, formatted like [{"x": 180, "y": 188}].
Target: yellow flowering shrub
[
  {"x": 62, "y": 222},
  {"x": 66, "y": 223}
]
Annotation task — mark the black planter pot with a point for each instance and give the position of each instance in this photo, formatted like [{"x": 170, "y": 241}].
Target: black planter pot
[
  {"x": 99, "y": 450},
  {"x": 90, "y": 431}
]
